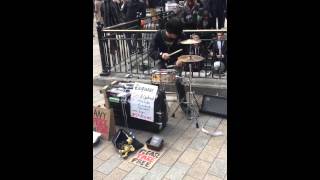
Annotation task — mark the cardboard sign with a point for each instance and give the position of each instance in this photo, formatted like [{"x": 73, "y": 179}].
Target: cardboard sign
[
  {"x": 103, "y": 122},
  {"x": 142, "y": 101},
  {"x": 146, "y": 158}
]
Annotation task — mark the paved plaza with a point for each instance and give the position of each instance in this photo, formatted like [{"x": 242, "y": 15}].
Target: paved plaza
[{"x": 188, "y": 153}]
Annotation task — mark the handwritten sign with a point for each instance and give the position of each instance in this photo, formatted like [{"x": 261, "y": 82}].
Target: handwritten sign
[
  {"x": 103, "y": 122},
  {"x": 146, "y": 158},
  {"x": 142, "y": 101}
]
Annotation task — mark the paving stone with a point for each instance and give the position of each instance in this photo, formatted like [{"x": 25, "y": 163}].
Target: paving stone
[
  {"x": 99, "y": 176},
  {"x": 218, "y": 168},
  {"x": 200, "y": 141},
  {"x": 213, "y": 122},
  {"x": 97, "y": 162},
  {"x": 106, "y": 153},
  {"x": 199, "y": 169},
  {"x": 189, "y": 178},
  {"x": 170, "y": 157},
  {"x": 178, "y": 171},
  {"x": 189, "y": 156},
  {"x": 137, "y": 173},
  {"x": 126, "y": 166},
  {"x": 211, "y": 177},
  {"x": 209, "y": 153},
  {"x": 117, "y": 174},
  {"x": 110, "y": 164},
  {"x": 99, "y": 147},
  {"x": 223, "y": 152},
  {"x": 157, "y": 172}
]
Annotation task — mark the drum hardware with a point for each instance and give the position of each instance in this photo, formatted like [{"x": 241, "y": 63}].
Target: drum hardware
[
  {"x": 192, "y": 101},
  {"x": 163, "y": 76},
  {"x": 190, "y": 58}
]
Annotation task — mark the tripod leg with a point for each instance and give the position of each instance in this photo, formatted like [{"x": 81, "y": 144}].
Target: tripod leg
[
  {"x": 194, "y": 96},
  {"x": 174, "y": 112}
]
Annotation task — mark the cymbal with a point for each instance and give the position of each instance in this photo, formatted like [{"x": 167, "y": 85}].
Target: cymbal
[
  {"x": 190, "y": 58},
  {"x": 190, "y": 41}
]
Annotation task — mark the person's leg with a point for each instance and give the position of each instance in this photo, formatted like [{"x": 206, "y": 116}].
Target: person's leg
[
  {"x": 221, "y": 20},
  {"x": 129, "y": 42},
  {"x": 97, "y": 10},
  {"x": 224, "y": 60},
  {"x": 93, "y": 16},
  {"x": 138, "y": 43},
  {"x": 214, "y": 22}
]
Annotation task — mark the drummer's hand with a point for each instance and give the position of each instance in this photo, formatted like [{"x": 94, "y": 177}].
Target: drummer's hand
[
  {"x": 211, "y": 53},
  {"x": 165, "y": 56},
  {"x": 179, "y": 63}
]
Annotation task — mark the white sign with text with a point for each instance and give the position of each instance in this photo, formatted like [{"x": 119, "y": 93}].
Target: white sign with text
[{"x": 142, "y": 101}]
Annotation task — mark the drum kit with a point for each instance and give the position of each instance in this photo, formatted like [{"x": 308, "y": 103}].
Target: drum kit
[{"x": 169, "y": 76}]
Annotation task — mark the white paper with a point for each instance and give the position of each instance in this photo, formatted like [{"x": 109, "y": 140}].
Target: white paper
[
  {"x": 142, "y": 101},
  {"x": 96, "y": 135},
  {"x": 216, "y": 133}
]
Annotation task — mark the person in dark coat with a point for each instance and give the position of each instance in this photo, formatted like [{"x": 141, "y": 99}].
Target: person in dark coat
[
  {"x": 134, "y": 9},
  {"x": 189, "y": 14},
  {"x": 93, "y": 13},
  {"x": 218, "y": 49},
  {"x": 218, "y": 9},
  {"x": 166, "y": 42}
]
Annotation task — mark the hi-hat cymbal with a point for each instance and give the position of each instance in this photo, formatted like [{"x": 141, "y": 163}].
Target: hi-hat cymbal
[
  {"x": 191, "y": 41},
  {"x": 190, "y": 58}
]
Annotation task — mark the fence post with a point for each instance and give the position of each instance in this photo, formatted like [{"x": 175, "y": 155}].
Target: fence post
[{"x": 105, "y": 65}]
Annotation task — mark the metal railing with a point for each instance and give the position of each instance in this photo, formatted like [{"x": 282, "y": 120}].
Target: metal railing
[{"x": 124, "y": 47}]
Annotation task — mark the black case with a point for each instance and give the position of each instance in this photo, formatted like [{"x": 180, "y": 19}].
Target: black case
[
  {"x": 160, "y": 120},
  {"x": 121, "y": 138}
]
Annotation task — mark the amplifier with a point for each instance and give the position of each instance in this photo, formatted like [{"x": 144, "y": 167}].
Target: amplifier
[{"x": 214, "y": 105}]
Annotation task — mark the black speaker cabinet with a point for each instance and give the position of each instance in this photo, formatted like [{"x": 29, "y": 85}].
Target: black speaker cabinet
[{"x": 214, "y": 105}]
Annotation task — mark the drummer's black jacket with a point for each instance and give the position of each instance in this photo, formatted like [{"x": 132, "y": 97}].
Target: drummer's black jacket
[{"x": 158, "y": 45}]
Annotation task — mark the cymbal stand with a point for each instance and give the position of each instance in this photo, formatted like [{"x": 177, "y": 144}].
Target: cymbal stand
[{"x": 194, "y": 114}]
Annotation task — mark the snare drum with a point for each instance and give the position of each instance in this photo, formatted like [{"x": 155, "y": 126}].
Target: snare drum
[{"x": 165, "y": 76}]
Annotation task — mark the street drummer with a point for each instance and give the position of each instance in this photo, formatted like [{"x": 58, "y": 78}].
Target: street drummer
[
  {"x": 165, "y": 47},
  {"x": 166, "y": 42}
]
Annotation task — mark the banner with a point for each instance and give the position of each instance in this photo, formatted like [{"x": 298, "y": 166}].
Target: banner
[
  {"x": 146, "y": 158},
  {"x": 103, "y": 122}
]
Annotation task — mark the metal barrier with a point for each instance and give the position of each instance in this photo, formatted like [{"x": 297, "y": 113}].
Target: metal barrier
[{"x": 124, "y": 47}]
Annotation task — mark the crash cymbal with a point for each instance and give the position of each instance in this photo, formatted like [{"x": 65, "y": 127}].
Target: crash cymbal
[
  {"x": 190, "y": 58},
  {"x": 191, "y": 41}
]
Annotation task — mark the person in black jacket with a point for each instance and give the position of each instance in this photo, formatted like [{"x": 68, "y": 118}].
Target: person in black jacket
[
  {"x": 218, "y": 10},
  {"x": 189, "y": 14},
  {"x": 134, "y": 9},
  {"x": 166, "y": 42}
]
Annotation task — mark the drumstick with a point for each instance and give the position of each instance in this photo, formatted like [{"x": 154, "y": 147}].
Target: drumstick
[{"x": 175, "y": 52}]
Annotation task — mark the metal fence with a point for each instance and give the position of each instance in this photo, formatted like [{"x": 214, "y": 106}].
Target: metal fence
[{"x": 124, "y": 47}]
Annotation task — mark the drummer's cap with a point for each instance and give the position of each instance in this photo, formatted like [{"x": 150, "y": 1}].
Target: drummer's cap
[{"x": 174, "y": 26}]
